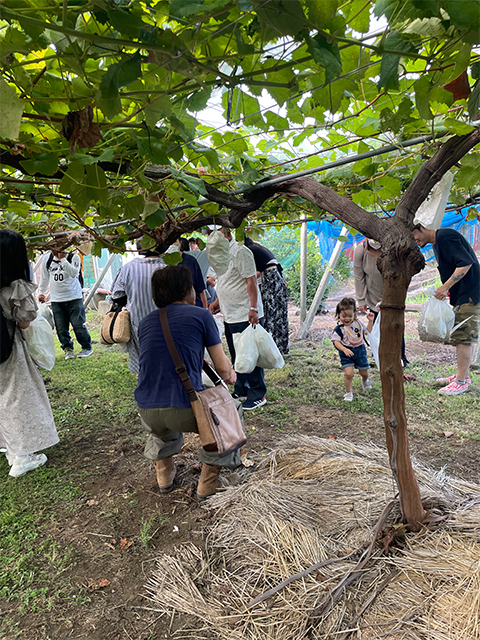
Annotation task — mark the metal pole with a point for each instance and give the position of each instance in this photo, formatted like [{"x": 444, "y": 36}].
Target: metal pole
[
  {"x": 99, "y": 280},
  {"x": 337, "y": 252},
  {"x": 303, "y": 269}
]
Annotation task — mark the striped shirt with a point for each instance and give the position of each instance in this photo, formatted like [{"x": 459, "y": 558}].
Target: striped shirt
[{"x": 134, "y": 280}]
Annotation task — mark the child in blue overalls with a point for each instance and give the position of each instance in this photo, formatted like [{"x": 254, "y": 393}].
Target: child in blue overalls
[{"x": 348, "y": 338}]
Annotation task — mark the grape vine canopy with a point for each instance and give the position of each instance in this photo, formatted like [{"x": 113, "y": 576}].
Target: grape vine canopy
[{"x": 101, "y": 124}]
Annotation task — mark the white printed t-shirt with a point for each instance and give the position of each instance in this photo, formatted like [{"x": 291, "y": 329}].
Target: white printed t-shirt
[
  {"x": 232, "y": 289},
  {"x": 62, "y": 278}
]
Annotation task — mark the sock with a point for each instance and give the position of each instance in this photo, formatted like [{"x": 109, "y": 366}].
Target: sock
[{"x": 460, "y": 381}]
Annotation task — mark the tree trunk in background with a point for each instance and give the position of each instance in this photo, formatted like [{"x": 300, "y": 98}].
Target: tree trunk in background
[{"x": 392, "y": 327}]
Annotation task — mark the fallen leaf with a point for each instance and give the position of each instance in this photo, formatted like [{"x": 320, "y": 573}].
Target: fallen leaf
[
  {"x": 447, "y": 434},
  {"x": 246, "y": 461},
  {"x": 92, "y": 502},
  {"x": 93, "y": 585},
  {"x": 124, "y": 544},
  {"x": 330, "y": 437}
]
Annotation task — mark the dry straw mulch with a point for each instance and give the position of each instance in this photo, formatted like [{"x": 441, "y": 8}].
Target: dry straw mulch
[{"x": 317, "y": 502}]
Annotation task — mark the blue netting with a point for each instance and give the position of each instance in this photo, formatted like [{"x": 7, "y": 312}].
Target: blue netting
[{"x": 329, "y": 232}]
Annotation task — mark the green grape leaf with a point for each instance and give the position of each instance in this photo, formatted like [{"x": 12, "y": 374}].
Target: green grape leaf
[
  {"x": 469, "y": 174},
  {"x": 156, "y": 218},
  {"x": 320, "y": 14},
  {"x": 73, "y": 184},
  {"x": 11, "y": 108},
  {"x": 153, "y": 149},
  {"x": 457, "y": 127},
  {"x": 172, "y": 258},
  {"x": 390, "y": 61},
  {"x": 474, "y": 101},
  {"x": 45, "y": 163},
  {"x": 96, "y": 182},
  {"x": 326, "y": 54},
  {"x": 134, "y": 206},
  {"x": 157, "y": 110}
]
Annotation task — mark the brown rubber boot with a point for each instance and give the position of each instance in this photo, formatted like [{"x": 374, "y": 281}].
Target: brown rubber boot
[
  {"x": 210, "y": 481},
  {"x": 165, "y": 474}
]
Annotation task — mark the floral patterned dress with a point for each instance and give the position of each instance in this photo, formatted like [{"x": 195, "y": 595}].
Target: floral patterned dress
[
  {"x": 26, "y": 419},
  {"x": 274, "y": 295}
]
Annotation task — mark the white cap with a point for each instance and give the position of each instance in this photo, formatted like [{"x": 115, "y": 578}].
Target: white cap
[
  {"x": 374, "y": 244},
  {"x": 212, "y": 227}
]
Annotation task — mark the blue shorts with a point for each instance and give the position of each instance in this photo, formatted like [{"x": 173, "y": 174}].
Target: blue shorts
[{"x": 358, "y": 360}]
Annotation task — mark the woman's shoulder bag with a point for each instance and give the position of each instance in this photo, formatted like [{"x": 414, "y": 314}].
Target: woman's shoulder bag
[
  {"x": 116, "y": 325},
  {"x": 219, "y": 424}
]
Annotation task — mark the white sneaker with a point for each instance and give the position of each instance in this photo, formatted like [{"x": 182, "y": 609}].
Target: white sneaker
[
  {"x": 348, "y": 397},
  {"x": 69, "y": 355},
  {"x": 366, "y": 384},
  {"x": 22, "y": 464},
  {"x": 85, "y": 353}
]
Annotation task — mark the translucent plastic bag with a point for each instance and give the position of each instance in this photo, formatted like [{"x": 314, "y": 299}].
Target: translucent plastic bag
[
  {"x": 269, "y": 357},
  {"x": 45, "y": 311},
  {"x": 374, "y": 340},
  {"x": 40, "y": 343},
  {"x": 437, "y": 319},
  {"x": 218, "y": 252},
  {"x": 246, "y": 350}
]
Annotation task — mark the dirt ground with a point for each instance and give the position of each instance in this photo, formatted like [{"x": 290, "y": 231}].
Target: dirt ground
[{"x": 121, "y": 492}]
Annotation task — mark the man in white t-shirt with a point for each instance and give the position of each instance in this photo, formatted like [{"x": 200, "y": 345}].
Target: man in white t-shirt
[
  {"x": 59, "y": 272},
  {"x": 241, "y": 305}
]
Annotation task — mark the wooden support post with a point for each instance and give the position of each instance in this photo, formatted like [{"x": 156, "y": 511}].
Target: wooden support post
[{"x": 303, "y": 269}]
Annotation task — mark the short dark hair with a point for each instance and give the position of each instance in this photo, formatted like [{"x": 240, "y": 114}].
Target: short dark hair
[
  {"x": 193, "y": 239},
  {"x": 184, "y": 246},
  {"x": 13, "y": 258},
  {"x": 171, "y": 284},
  {"x": 344, "y": 304},
  {"x": 153, "y": 251},
  {"x": 418, "y": 227}
]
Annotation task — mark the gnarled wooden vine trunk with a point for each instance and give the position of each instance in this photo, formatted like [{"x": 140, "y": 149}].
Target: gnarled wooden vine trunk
[{"x": 392, "y": 326}]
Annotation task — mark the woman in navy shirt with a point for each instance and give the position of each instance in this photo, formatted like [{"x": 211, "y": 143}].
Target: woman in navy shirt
[{"x": 163, "y": 403}]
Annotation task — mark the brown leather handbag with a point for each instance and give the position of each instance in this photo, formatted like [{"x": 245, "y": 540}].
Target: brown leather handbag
[{"x": 219, "y": 424}]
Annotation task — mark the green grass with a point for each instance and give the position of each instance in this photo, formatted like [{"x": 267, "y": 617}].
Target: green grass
[
  {"x": 30, "y": 562},
  {"x": 86, "y": 395}
]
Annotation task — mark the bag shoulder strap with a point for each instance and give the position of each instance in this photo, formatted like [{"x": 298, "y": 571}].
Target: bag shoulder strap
[
  {"x": 111, "y": 326},
  {"x": 49, "y": 261},
  {"x": 180, "y": 368}
]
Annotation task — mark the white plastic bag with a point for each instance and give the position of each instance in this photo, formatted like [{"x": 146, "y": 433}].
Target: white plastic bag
[
  {"x": 40, "y": 343},
  {"x": 246, "y": 350},
  {"x": 374, "y": 340},
  {"x": 430, "y": 213},
  {"x": 437, "y": 318},
  {"x": 45, "y": 311},
  {"x": 218, "y": 252},
  {"x": 269, "y": 357}
]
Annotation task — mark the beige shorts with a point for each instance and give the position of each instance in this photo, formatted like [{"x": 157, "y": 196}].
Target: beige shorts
[{"x": 468, "y": 332}]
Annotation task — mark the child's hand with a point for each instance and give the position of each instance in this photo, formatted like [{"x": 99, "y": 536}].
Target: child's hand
[
  {"x": 370, "y": 316},
  {"x": 348, "y": 352}
]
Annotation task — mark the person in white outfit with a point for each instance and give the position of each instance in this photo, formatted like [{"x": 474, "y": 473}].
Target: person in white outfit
[
  {"x": 26, "y": 419},
  {"x": 60, "y": 272}
]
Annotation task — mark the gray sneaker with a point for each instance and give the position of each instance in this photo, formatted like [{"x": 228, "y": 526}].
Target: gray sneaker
[
  {"x": 69, "y": 355},
  {"x": 85, "y": 353}
]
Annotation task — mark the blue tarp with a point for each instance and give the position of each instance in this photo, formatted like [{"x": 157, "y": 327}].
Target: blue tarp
[{"x": 328, "y": 232}]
